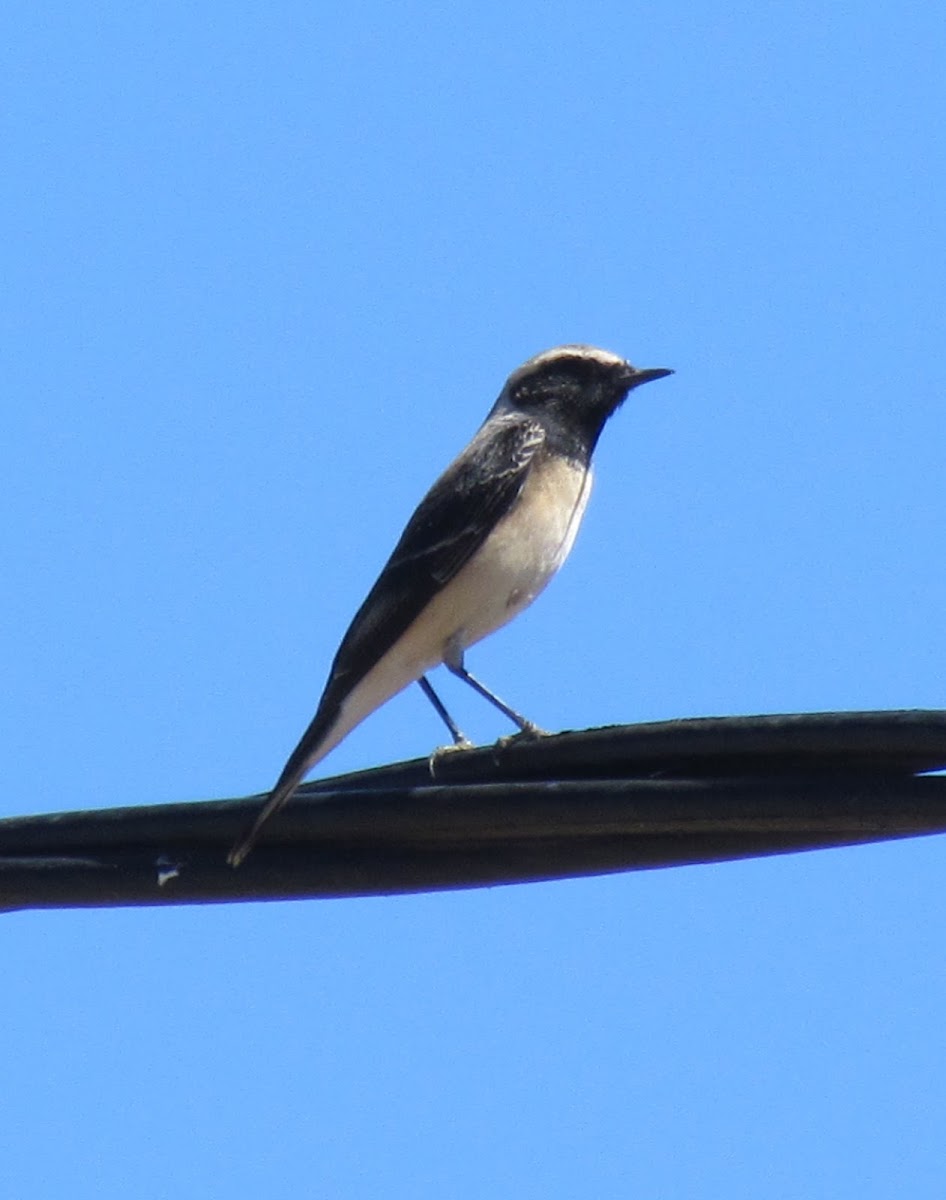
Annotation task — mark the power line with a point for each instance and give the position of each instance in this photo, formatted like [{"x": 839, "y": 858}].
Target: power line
[{"x": 620, "y": 798}]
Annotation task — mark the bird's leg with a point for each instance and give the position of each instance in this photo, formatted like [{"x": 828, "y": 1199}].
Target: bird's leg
[
  {"x": 454, "y": 663},
  {"x": 459, "y": 738}
]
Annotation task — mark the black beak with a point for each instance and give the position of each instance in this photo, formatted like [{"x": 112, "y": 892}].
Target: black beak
[{"x": 638, "y": 375}]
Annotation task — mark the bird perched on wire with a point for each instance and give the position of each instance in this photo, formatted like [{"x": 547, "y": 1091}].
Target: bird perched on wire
[{"x": 484, "y": 541}]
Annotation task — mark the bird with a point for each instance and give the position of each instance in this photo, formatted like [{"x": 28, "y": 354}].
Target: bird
[{"x": 481, "y": 545}]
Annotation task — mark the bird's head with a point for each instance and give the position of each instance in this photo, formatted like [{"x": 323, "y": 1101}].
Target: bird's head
[{"x": 577, "y": 387}]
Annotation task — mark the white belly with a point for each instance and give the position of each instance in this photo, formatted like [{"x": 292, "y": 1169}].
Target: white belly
[
  {"x": 518, "y": 558},
  {"x": 502, "y": 578}
]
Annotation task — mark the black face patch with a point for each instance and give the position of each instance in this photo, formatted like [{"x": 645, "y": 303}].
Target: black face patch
[{"x": 573, "y": 396}]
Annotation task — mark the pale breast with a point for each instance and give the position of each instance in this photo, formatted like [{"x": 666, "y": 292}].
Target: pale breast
[
  {"x": 520, "y": 556},
  {"x": 502, "y": 578}
]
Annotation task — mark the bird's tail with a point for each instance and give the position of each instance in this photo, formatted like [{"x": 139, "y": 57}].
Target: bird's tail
[{"x": 314, "y": 745}]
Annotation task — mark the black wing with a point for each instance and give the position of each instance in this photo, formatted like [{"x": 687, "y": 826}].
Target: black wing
[{"x": 450, "y": 524}]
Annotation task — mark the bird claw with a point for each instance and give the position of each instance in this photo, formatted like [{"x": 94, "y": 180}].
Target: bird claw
[
  {"x": 530, "y": 733},
  {"x": 444, "y": 751}
]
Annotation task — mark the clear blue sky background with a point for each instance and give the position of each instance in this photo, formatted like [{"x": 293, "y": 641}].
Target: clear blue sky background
[{"x": 265, "y": 267}]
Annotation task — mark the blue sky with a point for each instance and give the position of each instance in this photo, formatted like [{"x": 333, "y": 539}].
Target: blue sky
[{"x": 266, "y": 268}]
